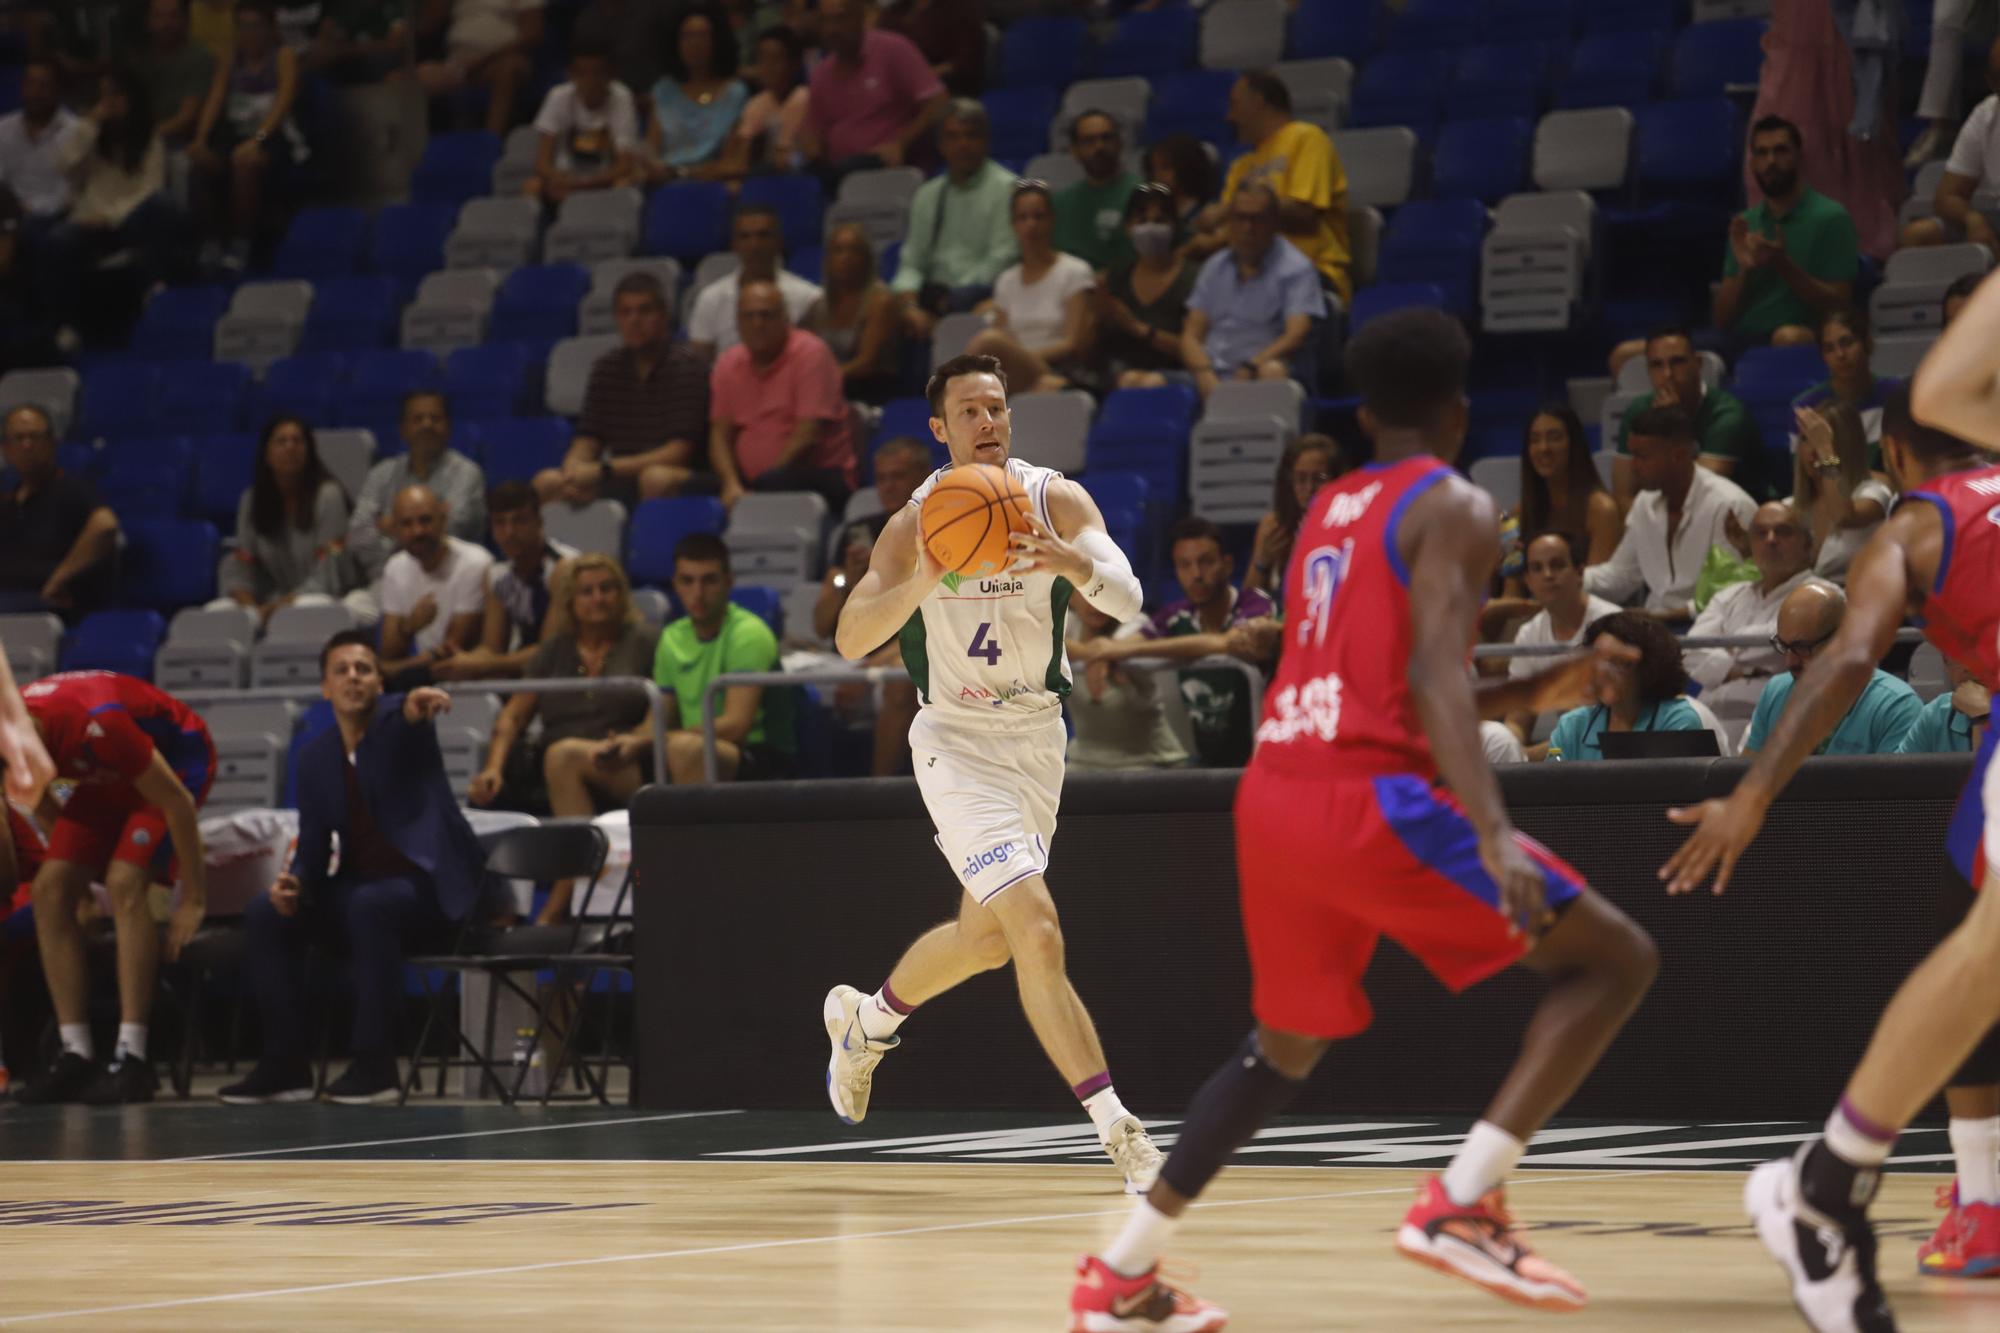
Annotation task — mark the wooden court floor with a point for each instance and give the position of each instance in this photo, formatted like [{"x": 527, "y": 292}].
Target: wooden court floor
[{"x": 187, "y": 1217}]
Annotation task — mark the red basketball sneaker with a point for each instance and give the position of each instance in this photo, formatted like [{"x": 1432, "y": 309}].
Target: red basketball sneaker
[
  {"x": 1967, "y": 1242},
  {"x": 1479, "y": 1245},
  {"x": 1105, "y": 1302}
]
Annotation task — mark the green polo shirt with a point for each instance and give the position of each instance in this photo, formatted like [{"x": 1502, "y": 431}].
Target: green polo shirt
[
  {"x": 1579, "y": 733},
  {"x": 684, "y": 663},
  {"x": 1819, "y": 236},
  {"x": 1876, "y": 724},
  {"x": 1090, "y": 221},
  {"x": 1722, "y": 425},
  {"x": 1939, "y": 729}
]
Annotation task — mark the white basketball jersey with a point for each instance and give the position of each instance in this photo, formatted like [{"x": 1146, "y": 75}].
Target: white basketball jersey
[{"x": 988, "y": 652}]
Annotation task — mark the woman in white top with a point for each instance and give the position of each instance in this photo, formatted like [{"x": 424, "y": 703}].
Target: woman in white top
[
  {"x": 1042, "y": 321},
  {"x": 1841, "y": 499}
]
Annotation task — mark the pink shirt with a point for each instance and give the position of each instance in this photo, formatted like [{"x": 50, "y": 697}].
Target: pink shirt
[
  {"x": 765, "y": 404},
  {"x": 765, "y": 114},
  {"x": 856, "y": 109}
]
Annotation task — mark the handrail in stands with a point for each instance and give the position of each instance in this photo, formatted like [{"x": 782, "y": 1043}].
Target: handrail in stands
[{"x": 1489, "y": 650}]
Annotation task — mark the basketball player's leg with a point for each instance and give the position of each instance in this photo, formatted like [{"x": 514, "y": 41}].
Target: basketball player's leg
[
  {"x": 942, "y": 958},
  {"x": 1967, "y": 1240},
  {"x": 59, "y": 889}
]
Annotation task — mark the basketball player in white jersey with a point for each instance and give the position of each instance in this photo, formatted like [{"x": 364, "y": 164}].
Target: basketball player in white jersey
[{"x": 986, "y": 654}]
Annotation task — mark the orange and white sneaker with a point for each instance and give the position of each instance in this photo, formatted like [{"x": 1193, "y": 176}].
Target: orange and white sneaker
[
  {"x": 1478, "y": 1244},
  {"x": 1967, "y": 1241},
  {"x": 1107, "y": 1302}
]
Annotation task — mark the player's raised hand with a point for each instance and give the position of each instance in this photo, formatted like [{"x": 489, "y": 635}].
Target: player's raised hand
[
  {"x": 1524, "y": 897},
  {"x": 421, "y": 705},
  {"x": 1039, "y": 551},
  {"x": 1722, "y": 830}
]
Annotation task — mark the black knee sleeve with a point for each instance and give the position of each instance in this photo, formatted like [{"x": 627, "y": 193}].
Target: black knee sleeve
[{"x": 1236, "y": 1102}]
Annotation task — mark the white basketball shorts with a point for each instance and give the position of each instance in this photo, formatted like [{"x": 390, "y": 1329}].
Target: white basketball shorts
[{"x": 993, "y": 797}]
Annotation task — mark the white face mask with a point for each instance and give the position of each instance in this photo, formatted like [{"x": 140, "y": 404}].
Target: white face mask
[{"x": 1152, "y": 239}]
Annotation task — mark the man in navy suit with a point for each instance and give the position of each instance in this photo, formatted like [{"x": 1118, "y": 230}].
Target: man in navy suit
[{"x": 409, "y": 868}]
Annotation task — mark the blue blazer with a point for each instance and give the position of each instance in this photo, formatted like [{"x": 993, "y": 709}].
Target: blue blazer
[{"x": 402, "y": 771}]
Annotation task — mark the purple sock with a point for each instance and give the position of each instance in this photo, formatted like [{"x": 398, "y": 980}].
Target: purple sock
[
  {"x": 895, "y": 1002},
  {"x": 1091, "y": 1086}
]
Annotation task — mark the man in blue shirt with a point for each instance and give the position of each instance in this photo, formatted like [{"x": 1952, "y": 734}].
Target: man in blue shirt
[
  {"x": 1252, "y": 311},
  {"x": 1880, "y": 717}
]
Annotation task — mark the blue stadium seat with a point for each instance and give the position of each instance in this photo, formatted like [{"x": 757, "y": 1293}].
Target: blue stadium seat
[
  {"x": 903, "y": 416},
  {"x": 1401, "y": 88},
  {"x": 539, "y": 302},
  {"x": 1148, "y": 43},
  {"x": 1043, "y": 51},
  {"x": 376, "y": 382},
  {"x": 1196, "y": 102},
  {"x": 808, "y": 262},
  {"x": 1433, "y": 25},
  {"x": 1613, "y": 69},
  {"x": 1383, "y": 297},
  {"x": 1482, "y": 159},
  {"x": 1130, "y": 517},
  {"x": 143, "y": 488},
  {"x": 1689, "y": 147},
  {"x": 119, "y": 452},
  {"x": 1020, "y": 118},
  {"x": 658, "y": 526},
  {"x": 168, "y": 562},
  {"x": 306, "y": 385},
  {"x": 800, "y": 204},
  {"x": 323, "y": 243},
  {"x": 409, "y": 241},
  {"x": 203, "y": 398},
  {"x": 79, "y": 460},
  {"x": 764, "y": 603},
  {"x": 352, "y": 310},
  {"x": 1117, "y": 490},
  {"x": 1710, "y": 58},
  {"x": 1530, "y": 21},
  {"x": 1795, "y": 368},
  {"x": 1435, "y": 241},
  {"x": 688, "y": 219},
  {"x": 455, "y": 167},
  {"x": 1144, "y": 431},
  {"x": 1632, "y": 15},
  {"x": 516, "y": 449},
  {"x": 117, "y": 399},
  {"x": 485, "y": 383},
  {"x": 1507, "y": 79},
  {"x": 178, "y": 324},
  {"x": 225, "y": 465},
  {"x": 122, "y": 641},
  {"x": 1322, "y": 28}
]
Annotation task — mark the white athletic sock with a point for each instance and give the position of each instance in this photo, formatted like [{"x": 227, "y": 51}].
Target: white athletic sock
[
  {"x": 1139, "y": 1246},
  {"x": 1854, "y": 1143},
  {"x": 76, "y": 1038},
  {"x": 878, "y": 1020},
  {"x": 1105, "y": 1111},
  {"x": 1483, "y": 1162},
  {"x": 131, "y": 1040},
  {"x": 1976, "y": 1145}
]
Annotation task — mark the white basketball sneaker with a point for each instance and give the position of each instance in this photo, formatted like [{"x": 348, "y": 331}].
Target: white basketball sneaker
[
  {"x": 1131, "y": 1147},
  {"x": 1831, "y": 1266},
  {"x": 850, "y": 1072}
]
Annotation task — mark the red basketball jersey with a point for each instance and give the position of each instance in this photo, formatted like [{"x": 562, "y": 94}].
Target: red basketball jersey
[
  {"x": 1340, "y": 705},
  {"x": 102, "y": 727},
  {"x": 1962, "y": 608}
]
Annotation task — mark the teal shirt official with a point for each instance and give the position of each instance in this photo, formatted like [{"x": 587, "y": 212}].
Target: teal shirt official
[
  {"x": 1876, "y": 724},
  {"x": 1939, "y": 729},
  {"x": 1578, "y": 732}
]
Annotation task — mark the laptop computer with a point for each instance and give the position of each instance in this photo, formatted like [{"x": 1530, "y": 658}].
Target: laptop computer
[{"x": 1659, "y": 744}]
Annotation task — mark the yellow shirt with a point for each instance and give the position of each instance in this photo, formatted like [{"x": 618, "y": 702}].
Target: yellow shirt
[
  {"x": 213, "y": 24},
  {"x": 1299, "y": 163}
]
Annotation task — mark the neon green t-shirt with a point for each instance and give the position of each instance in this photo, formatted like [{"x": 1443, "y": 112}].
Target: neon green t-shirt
[{"x": 684, "y": 663}]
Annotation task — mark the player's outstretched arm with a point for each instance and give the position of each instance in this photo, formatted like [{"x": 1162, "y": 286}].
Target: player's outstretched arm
[
  {"x": 1081, "y": 551},
  {"x": 901, "y": 573},
  {"x": 1954, "y": 389},
  {"x": 1589, "y": 677},
  {"x": 161, "y": 788}
]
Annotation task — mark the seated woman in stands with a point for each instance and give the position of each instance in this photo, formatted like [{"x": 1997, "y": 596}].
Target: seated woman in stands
[
  {"x": 1654, "y": 696},
  {"x": 1043, "y": 325},
  {"x": 1308, "y": 463},
  {"x": 1142, "y": 304},
  {"x": 290, "y": 527}
]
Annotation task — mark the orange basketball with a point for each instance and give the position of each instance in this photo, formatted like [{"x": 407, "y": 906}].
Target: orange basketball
[{"x": 968, "y": 518}]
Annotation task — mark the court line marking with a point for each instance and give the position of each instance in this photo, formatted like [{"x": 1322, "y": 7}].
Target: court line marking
[
  {"x": 440, "y": 1138},
  {"x": 740, "y": 1248}
]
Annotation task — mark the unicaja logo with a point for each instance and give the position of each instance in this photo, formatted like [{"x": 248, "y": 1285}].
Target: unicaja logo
[{"x": 996, "y": 856}]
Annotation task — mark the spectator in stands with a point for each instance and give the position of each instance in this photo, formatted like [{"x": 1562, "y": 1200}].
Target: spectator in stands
[
  {"x": 1186, "y": 167},
  {"x": 363, "y": 41},
  {"x": 35, "y": 189},
  {"x": 757, "y": 240},
  {"x": 246, "y": 142},
  {"x": 1091, "y": 214},
  {"x": 874, "y": 97},
  {"x": 1940, "y": 99},
  {"x": 645, "y": 410},
  {"x": 858, "y": 316},
  {"x": 1554, "y": 574},
  {"x": 1881, "y": 715},
  {"x": 1202, "y": 624},
  {"x": 778, "y": 420},
  {"x": 960, "y": 235},
  {"x": 1308, "y": 463},
  {"x": 1847, "y": 345},
  {"x": 409, "y": 869},
  {"x": 1961, "y": 290},
  {"x": 1731, "y": 679},
  {"x": 594, "y": 632},
  {"x": 1561, "y": 488},
  {"x": 521, "y": 588},
  {"x": 1296, "y": 160},
  {"x": 1652, "y": 696},
  {"x": 769, "y": 132},
  {"x": 1043, "y": 326},
  {"x": 631, "y": 30},
  {"x": 950, "y": 33},
  {"x": 698, "y": 98},
  {"x": 1725, "y": 433},
  {"x": 1954, "y": 722},
  {"x": 1792, "y": 258},
  {"x": 1682, "y": 511},
  {"x": 291, "y": 526},
  {"x": 1842, "y": 501},
  {"x": 1142, "y": 303},
  {"x": 433, "y": 589},
  {"x": 489, "y": 43},
  {"x": 1117, "y": 711},
  {"x": 1974, "y": 163},
  {"x": 588, "y": 128},
  {"x": 1255, "y": 305},
  {"x": 178, "y": 71},
  {"x": 428, "y": 458},
  {"x": 60, "y": 538}
]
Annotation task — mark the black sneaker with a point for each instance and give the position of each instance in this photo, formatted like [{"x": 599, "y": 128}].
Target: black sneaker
[
  {"x": 271, "y": 1081},
  {"x": 126, "y": 1080},
  {"x": 66, "y": 1081},
  {"x": 370, "y": 1080}
]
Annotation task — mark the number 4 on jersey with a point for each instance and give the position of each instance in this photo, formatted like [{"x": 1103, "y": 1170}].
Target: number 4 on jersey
[{"x": 983, "y": 646}]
